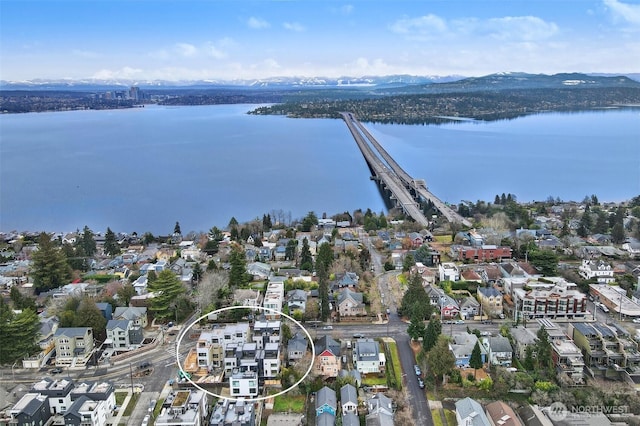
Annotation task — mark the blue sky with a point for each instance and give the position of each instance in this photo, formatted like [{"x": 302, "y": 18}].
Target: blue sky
[{"x": 224, "y": 39}]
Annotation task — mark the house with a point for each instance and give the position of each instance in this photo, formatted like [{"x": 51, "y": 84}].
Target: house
[
  {"x": 348, "y": 399},
  {"x": 501, "y": 414},
  {"x": 416, "y": 239},
  {"x": 348, "y": 279},
  {"x": 471, "y": 275},
  {"x": 522, "y": 338},
  {"x": 297, "y": 300},
  {"x": 106, "y": 310},
  {"x": 138, "y": 315},
  {"x": 84, "y": 411},
  {"x": 491, "y": 301},
  {"x": 74, "y": 346},
  {"x": 632, "y": 247},
  {"x": 124, "y": 333},
  {"x": 58, "y": 392},
  {"x": 448, "y": 272},
  {"x": 183, "y": 408},
  {"x": 326, "y": 401},
  {"x": 247, "y": 297},
  {"x": 31, "y": 409},
  {"x": 327, "y": 362},
  {"x": 274, "y": 299},
  {"x": 469, "y": 307},
  {"x": 326, "y": 419},
  {"x": 233, "y": 412},
  {"x": 367, "y": 358},
  {"x": 484, "y": 253},
  {"x": 259, "y": 270},
  {"x": 448, "y": 307},
  {"x": 380, "y": 411},
  {"x": 470, "y": 413},
  {"x": 462, "y": 345},
  {"x": 568, "y": 359},
  {"x": 350, "y": 303},
  {"x": 350, "y": 419},
  {"x": 297, "y": 347},
  {"x": 98, "y": 391},
  {"x": 354, "y": 374},
  {"x": 500, "y": 350},
  {"x": 600, "y": 270}
]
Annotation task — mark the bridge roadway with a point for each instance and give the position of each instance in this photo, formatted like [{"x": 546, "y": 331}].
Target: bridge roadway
[
  {"x": 418, "y": 185},
  {"x": 387, "y": 176}
]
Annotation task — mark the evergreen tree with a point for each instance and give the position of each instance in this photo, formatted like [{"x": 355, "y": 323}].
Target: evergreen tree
[
  {"x": 431, "y": 334},
  {"x": 20, "y": 301},
  {"x": 238, "y": 273},
  {"x": 176, "y": 229},
  {"x": 586, "y": 223},
  {"x": 528, "y": 358},
  {"x": 408, "y": 262},
  {"x": 111, "y": 247},
  {"x": 364, "y": 258},
  {"x": 87, "y": 242},
  {"x": 496, "y": 200},
  {"x": 166, "y": 289},
  {"x": 309, "y": 221},
  {"x": 416, "y": 328},
  {"x": 440, "y": 359},
  {"x": 325, "y": 257},
  {"x": 290, "y": 250},
  {"x": 75, "y": 258},
  {"x": 545, "y": 260},
  {"x": 88, "y": 315},
  {"x": 49, "y": 265},
  {"x": 475, "y": 361},
  {"x": 266, "y": 222},
  {"x": 306, "y": 259},
  {"x": 125, "y": 293},
  {"x": 543, "y": 350},
  {"x": 232, "y": 223},
  {"x": 197, "y": 272},
  {"x": 18, "y": 334},
  {"x": 415, "y": 300}
]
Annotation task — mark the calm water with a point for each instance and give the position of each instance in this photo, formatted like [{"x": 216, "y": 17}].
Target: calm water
[{"x": 144, "y": 169}]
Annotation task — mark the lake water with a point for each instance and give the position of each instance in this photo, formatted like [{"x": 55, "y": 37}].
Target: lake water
[{"x": 144, "y": 169}]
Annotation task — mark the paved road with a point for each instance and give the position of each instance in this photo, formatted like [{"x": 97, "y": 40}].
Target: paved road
[{"x": 416, "y": 397}]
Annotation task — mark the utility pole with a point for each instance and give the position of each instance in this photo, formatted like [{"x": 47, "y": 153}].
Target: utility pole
[{"x": 131, "y": 376}]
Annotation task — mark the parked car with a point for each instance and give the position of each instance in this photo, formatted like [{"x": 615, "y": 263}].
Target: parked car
[
  {"x": 460, "y": 321},
  {"x": 358, "y": 336},
  {"x": 636, "y": 320},
  {"x": 56, "y": 370},
  {"x": 420, "y": 382},
  {"x": 416, "y": 368},
  {"x": 327, "y": 327}
]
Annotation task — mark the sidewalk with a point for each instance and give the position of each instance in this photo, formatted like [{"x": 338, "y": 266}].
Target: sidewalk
[{"x": 115, "y": 421}]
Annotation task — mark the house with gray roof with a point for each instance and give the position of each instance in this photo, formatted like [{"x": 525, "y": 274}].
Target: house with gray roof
[
  {"x": 367, "y": 358},
  {"x": 326, "y": 401},
  {"x": 522, "y": 337},
  {"x": 500, "y": 350},
  {"x": 326, "y": 419},
  {"x": 297, "y": 300},
  {"x": 462, "y": 345},
  {"x": 348, "y": 399},
  {"x": 297, "y": 347},
  {"x": 380, "y": 409},
  {"x": 31, "y": 409},
  {"x": 74, "y": 345},
  {"x": 350, "y": 303},
  {"x": 350, "y": 419},
  {"x": 136, "y": 314},
  {"x": 470, "y": 413}
]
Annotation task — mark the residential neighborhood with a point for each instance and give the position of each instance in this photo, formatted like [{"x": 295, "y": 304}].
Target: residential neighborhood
[{"x": 326, "y": 320}]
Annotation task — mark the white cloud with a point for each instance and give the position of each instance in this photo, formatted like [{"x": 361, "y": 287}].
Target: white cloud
[
  {"x": 520, "y": 28},
  {"x": 293, "y": 26},
  {"x": 422, "y": 26},
  {"x": 629, "y": 13},
  {"x": 257, "y": 23},
  {"x": 186, "y": 49},
  {"x": 213, "y": 51}
]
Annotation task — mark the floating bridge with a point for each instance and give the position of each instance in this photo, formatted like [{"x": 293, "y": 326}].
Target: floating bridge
[{"x": 406, "y": 192}]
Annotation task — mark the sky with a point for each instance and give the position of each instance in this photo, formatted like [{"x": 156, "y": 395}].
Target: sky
[{"x": 236, "y": 39}]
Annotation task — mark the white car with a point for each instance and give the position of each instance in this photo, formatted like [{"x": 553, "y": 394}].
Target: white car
[
  {"x": 636, "y": 320},
  {"x": 327, "y": 327}
]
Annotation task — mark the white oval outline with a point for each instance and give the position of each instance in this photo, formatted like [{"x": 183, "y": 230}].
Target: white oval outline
[{"x": 230, "y": 308}]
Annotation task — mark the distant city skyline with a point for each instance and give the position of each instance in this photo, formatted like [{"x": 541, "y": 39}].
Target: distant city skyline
[{"x": 225, "y": 40}]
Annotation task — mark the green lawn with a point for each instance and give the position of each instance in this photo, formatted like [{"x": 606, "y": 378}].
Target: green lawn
[
  {"x": 286, "y": 403},
  {"x": 131, "y": 405},
  {"x": 372, "y": 380},
  {"x": 120, "y": 397},
  {"x": 395, "y": 363},
  {"x": 451, "y": 417},
  {"x": 437, "y": 420}
]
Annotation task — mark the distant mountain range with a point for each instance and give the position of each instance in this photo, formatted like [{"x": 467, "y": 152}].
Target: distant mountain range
[{"x": 392, "y": 84}]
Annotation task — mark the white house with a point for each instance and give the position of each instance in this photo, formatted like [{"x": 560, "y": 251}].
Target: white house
[
  {"x": 600, "y": 270},
  {"x": 448, "y": 272},
  {"x": 367, "y": 357}
]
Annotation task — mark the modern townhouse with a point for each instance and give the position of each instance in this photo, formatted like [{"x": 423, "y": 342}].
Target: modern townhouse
[
  {"x": 74, "y": 346},
  {"x": 183, "y": 408},
  {"x": 228, "y": 412},
  {"x": 367, "y": 358}
]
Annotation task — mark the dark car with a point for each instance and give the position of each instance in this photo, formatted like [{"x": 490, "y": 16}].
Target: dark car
[
  {"x": 358, "y": 336},
  {"x": 56, "y": 370},
  {"x": 420, "y": 382}
]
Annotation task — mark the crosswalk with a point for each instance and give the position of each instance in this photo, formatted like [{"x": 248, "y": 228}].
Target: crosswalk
[{"x": 171, "y": 356}]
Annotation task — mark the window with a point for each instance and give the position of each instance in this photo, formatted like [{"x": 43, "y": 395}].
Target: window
[
  {"x": 236, "y": 391},
  {"x": 235, "y": 383},
  {"x": 253, "y": 391}
]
